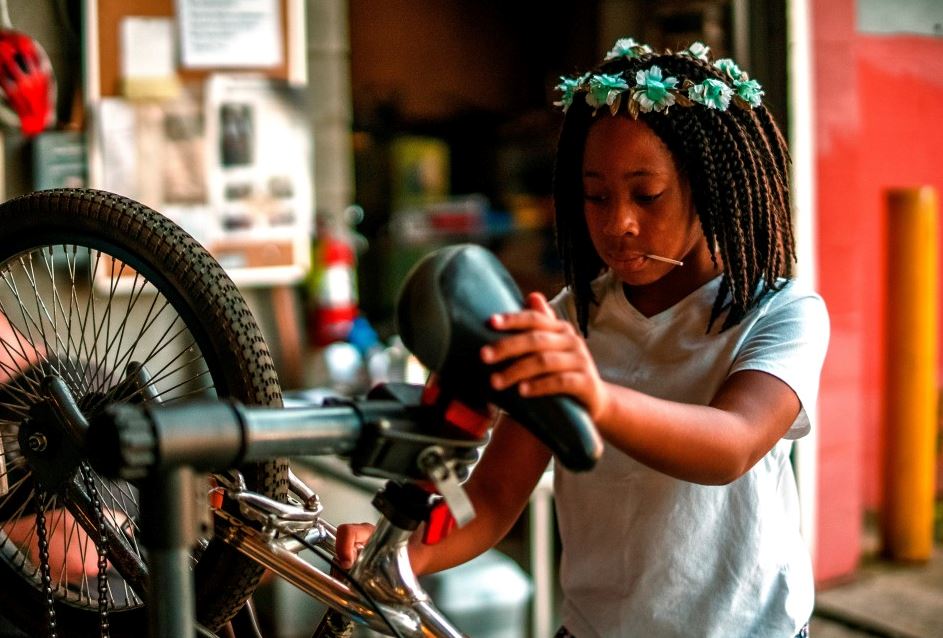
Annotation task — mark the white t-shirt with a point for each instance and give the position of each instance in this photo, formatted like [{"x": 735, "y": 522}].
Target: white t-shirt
[{"x": 648, "y": 555}]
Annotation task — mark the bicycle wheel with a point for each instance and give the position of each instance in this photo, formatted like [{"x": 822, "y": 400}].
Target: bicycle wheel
[{"x": 106, "y": 300}]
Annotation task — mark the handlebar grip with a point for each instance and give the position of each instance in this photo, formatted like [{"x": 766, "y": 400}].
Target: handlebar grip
[
  {"x": 573, "y": 440},
  {"x": 442, "y": 315}
]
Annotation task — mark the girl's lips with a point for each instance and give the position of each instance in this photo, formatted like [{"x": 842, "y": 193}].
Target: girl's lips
[{"x": 631, "y": 261}]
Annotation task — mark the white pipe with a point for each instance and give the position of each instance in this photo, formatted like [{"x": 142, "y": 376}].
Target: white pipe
[
  {"x": 802, "y": 146},
  {"x": 542, "y": 559},
  {"x": 297, "y": 43},
  {"x": 92, "y": 73}
]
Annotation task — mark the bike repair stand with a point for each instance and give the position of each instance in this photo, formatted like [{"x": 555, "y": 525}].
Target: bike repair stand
[{"x": 169, "y": 530}]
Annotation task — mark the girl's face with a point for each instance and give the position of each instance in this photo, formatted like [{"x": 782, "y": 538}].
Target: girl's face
[{"x": 637, "y": 204}]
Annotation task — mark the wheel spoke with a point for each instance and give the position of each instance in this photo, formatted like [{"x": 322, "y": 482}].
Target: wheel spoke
[
  {"x": 88, "y": 338},
  {"x": 127, "y": 561},
  {"x": 111, "y": 346},
  {"x": 116, "y": 323},
  {"x": 70, "y": 372}
]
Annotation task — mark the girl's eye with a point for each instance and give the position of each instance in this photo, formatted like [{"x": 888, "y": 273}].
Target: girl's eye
[
  {"x": 596, "y": 199},
  {"x": 646, "y": 198}
]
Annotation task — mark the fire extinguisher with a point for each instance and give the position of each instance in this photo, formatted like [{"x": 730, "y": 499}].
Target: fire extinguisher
[{"x": 332, "y": 286}]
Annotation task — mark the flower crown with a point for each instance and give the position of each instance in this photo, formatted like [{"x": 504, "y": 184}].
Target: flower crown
[{"x": 654, "y": 92}]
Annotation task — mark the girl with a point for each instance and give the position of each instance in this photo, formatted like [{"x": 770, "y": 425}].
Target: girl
[{"x": 691, "y": 348}]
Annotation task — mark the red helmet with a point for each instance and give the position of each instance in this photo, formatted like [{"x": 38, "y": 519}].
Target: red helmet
[{"x": 26, "y": 81}]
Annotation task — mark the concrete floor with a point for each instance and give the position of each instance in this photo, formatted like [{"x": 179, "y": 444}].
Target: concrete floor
[
  {"x": 884, "y": 599},
  {"x": 821, "y": 628}
]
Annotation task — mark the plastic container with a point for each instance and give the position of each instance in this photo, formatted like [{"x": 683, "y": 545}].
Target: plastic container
[{"x": 486, "y": 597}]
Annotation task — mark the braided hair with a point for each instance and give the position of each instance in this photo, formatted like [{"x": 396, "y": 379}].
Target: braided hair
[{"x": 737, "y": 163}]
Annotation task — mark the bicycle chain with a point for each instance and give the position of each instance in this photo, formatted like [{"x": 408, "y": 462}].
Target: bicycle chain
[
  {"x": 101, "y": 545},
  {"x": 334, "y": 625},
  {"x": 44, "y": 571}
]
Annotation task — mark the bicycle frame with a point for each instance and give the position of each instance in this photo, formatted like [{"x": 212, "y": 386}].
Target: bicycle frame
[
  {"x": 382, "y": 568},
  {"x": 382, "y": 439}
]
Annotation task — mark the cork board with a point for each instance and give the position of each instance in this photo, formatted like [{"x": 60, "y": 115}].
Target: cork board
[{"x": 111, "y": 12}]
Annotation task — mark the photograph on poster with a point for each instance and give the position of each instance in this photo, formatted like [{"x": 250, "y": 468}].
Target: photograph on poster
[{"x": 229, "y": 163}]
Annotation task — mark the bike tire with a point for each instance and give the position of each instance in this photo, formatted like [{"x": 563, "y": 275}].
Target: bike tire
[{"x": 39, "y": 232}]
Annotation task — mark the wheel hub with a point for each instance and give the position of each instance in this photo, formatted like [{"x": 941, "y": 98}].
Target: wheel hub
[{"x": 52, "y": 436}]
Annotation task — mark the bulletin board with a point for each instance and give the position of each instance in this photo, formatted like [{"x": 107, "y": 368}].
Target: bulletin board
[
  {"x": 227, "y": 154},
  {"x": 107, "y": 16}
]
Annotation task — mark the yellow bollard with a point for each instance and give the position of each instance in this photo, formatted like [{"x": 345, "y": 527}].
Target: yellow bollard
[{"x": 911, "y": 409}]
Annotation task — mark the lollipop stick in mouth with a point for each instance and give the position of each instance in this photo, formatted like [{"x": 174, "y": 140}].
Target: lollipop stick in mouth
[{"x": 667, "y": 260}]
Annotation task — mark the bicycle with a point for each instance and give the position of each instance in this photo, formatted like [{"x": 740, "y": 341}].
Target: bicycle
[{"x": 129, "y": 359}]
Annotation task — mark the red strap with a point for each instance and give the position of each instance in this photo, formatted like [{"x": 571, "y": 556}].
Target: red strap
[
  {"x": 466, "y": 418},
  {"x": 440, "y": 523},
  {"x": 430, "y": 392}
]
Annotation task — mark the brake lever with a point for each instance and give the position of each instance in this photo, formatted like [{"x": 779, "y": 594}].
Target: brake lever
[
  {"x": 443, "y": 476},
  {"x": 308, "y": 497},
  {"x": 275, "y": 517}
]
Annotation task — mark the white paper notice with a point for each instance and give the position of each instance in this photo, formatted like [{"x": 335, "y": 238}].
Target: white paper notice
[
  {"x": 230, "y": 33},
  {"x": 147, "y": 47},
  {"x": 118, "y": 151}
]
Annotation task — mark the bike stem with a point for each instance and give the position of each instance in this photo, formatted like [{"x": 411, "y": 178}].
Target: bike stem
[{"x": 385, "y": 571}]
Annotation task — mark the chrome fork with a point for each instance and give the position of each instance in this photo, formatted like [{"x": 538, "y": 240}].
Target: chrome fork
[{"x": 382, "y": 569}]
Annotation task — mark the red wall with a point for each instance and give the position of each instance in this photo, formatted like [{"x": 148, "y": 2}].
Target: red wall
[
  {"x": 877, "y": 103},
  {"x": 844, "y": 285},
  {"x": 900, "y": 82}
]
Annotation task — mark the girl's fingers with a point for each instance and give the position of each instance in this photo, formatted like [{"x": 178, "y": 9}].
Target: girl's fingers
[
  {"x": 572, "y": 383},
  {"x": 533, "y": 341},
  {"x": 536, "y": 301},
  {"x": 538, "y": 314},
  {"x": 523, "y": 320},
  {"x": 351, "y": 539},
  {"x": 537, "y": 365}
]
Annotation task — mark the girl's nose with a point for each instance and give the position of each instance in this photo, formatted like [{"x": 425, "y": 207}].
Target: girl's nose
[{"x": 622, "y": 220}]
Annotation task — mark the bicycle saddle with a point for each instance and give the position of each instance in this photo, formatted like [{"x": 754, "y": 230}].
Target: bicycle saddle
[{"x": 442, "y": 315}]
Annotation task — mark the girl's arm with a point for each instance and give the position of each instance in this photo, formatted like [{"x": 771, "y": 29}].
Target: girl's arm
[
  {"x": 499, "y": 488},
  {"x": 17, "y": 354},
  {"x": 712, "y": 444}
]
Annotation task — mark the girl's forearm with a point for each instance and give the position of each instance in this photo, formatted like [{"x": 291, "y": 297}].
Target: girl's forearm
[
  {"x": 460, "y": 546},
  {"x": 713, "y": 444}
]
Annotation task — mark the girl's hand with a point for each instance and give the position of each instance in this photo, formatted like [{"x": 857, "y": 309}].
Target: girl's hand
[
  {"x": 351, "y": 539},
  {"x": 547, "y": 356}
]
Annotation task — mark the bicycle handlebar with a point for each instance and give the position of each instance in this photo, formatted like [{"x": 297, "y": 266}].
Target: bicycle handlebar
[
  {"x": 129, "y": 441},
  {"x": 384, "y": 435}
]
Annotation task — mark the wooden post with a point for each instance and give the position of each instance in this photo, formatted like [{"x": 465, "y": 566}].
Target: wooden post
[{"x": 911, "y": 410}]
